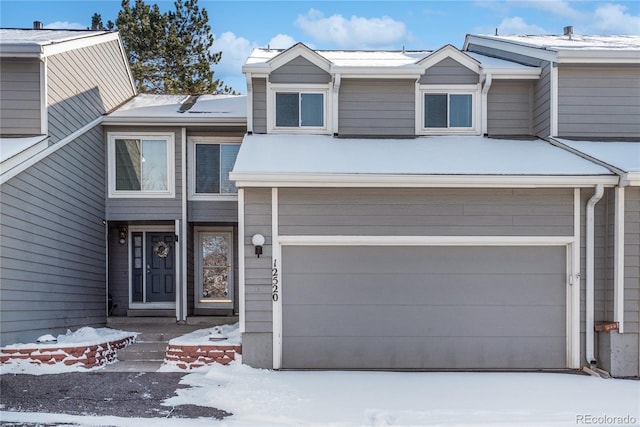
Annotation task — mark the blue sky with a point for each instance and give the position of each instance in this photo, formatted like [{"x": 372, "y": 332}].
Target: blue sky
[{"x": 241, "y": 25}]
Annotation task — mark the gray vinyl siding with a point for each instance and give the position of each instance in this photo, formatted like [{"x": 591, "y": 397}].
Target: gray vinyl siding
[
  {"x": 53, "y": 243},
  {"x": 83, "y": 84},
  {"x": 299, "y": 70},
  {"x": 376, "y": 108},
  {"x": 118, "y": 285},
  {"x": 20, "y": 97},
  {"x": 632, "y": 261},
  {"x": 510, "y": 108},
  {"x": 426, "y": 212},
  {"x": 212, "y": 211},
  {"x": 259, "y": 105},
  {"x": 542, "y": 103},
  {"x": 599, "y": 102},
  {"x": 449, "y": 72},
  {"x": 148, "y": 209}
]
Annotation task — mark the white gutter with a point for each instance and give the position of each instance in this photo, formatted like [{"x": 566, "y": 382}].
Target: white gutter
[
  {"x": 485, "y": 90},
  {"x": 183, "y": 243},
  {"x": 590, "y": 270}
]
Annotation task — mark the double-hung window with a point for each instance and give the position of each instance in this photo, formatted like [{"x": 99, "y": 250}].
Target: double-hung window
[
  {"x": 297, "y": 110},
  {"x": 141, "y": 165},
  {"x": 449, "y": 111},
  {"x": 211, "y": 161}
]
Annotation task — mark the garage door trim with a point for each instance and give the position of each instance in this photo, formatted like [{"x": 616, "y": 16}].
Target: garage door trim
[{"x": 573, "y": 288}]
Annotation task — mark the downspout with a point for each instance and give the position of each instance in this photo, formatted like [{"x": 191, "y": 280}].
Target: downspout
[
  {"x": 590, "y": 270},
  {"x": 485, "y": 90},
  {"x": 337, "y": 79}
]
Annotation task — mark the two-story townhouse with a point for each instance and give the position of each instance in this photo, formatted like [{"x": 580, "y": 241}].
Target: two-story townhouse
[
  {"x": 55, "y": 86},
  {"x": 588, "y": 102},
  {"x": 171, "y": 209},
  {"x": 397, "y": 210}
]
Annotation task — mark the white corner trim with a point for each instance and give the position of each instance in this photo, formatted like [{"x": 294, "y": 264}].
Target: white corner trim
[
  {"x": 7, "y": 175},
  {"x": 44, "y": 97},
  {"x": 553, "y": 101},
  {"x": 125, "y": 60},
  {"x": 276, "y": 282},
  {"x": 618, "y": 260},
  {"x": 241, "y": 263},
  {"x": 573, "y": 316},
  {"x": 249, "y": 80},
  {"x": 183, "y": 232}
]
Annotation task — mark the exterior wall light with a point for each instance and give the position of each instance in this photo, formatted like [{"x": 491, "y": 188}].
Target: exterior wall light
[
  {"x": 258, "y": 240},
  {"x": 122, "y": 234}
]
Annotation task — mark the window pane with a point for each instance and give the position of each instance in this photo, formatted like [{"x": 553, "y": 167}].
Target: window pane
[
  {"x": 128, "y": 164},
  {"x": 229, "y": 154},
  {"x": 154, "y": 165},
  {"x": 312, "y": 109},
  {"x": 287, "y": 110},
  {"x": 435, "y": 111},
  {"x": 207, "y": 168},
  {"x": 460, "y": 111}
]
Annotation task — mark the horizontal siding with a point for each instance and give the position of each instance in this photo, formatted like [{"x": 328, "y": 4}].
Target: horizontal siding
[
  {"x": 257, "y": 270},
  {"x": 19, "y": 97},
  {"x": 632, "y": 262},
  {"x": 212, "y": 211},
  {"x": 146, "y": 209},
  {"x": 83, "y": 84},
  {"x": 118, "y": 271},
  {"x": 510, "y": 108},
  {"x": 599, "y": 102},
  {"x": 377, "y": 107},
  {"x": 259, "y": 105},
  {"x": 449, "y": 72},
  {"x": 299, "y": 70},
  {"x": 429, "y": 212},
  {"x": 53, "y": 243}
]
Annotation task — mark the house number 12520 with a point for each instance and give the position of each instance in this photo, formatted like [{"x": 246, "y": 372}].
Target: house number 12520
[{"x": 275, "y": 281}]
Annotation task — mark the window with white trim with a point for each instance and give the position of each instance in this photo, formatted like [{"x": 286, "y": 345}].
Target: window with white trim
[
  {"x": 449, "y": 111},
  {"x": 141, "y": 165},
  {"x": 212, "y": 160},
  {"x": 299, "y": 108}
]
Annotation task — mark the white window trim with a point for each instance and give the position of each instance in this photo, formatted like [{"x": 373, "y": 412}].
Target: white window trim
[
  {"x": 476, "y": 103},
  {"x": 192, "y": 195},
  {"x": 170, "y": 192},
  {"x": 325, "y": 89}
]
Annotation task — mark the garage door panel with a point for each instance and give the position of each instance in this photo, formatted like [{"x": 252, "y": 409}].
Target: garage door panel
[
  {"x": 384, "y": 321},
  {"x": 384, "y": 288},
  {"x": 431, "y": 353},
  {"x": 424, "y": 307}
]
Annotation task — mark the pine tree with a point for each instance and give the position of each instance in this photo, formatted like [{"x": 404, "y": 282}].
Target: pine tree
[
  {"x": 170, "y": 52},
  {"x": 96, "y": 22}
]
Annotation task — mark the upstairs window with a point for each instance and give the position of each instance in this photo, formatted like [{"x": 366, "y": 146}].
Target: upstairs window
[
  {"x": 212, "y": 160},
  {"x": 141, "y": 165},
  {"x": 449, "y": 111},
  {"x": 299, "y": 109}
]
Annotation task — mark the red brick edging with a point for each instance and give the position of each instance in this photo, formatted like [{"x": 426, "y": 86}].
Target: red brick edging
[
  {"x": 196, "y": 356},
  {"x": 87, "y": 356}
]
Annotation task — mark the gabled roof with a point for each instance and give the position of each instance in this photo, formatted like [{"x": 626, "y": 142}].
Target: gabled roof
[
  {"x": 565, "y": 48},
  {"x": 448, "y": 51},
  {"x": 321, "y": 160},
  {"x": 42, "y": 43}
]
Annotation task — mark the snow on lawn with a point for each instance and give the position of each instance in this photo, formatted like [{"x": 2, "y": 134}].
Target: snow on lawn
[
  {"x": 225, "y": 334},
  {"x": 259, "y": 397}
]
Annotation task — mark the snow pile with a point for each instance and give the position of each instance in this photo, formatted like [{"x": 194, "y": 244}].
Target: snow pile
[
  {"x": 83, "y": 337},
  {"x": 229, "y": 333}
]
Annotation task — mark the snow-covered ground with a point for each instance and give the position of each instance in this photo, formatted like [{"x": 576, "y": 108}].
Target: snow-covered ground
[{"x": 259, "y": 397}]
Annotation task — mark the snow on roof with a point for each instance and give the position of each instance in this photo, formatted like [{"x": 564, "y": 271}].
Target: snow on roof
[
  {"x": 558, "y": 42},
  {"x": 439, "y": 155},
  {"x": 10, "y": 147},
  {"x": 149, "y": 106},
  {"x": 621, "y": 155},
  {"x": 42, "y": 37}
]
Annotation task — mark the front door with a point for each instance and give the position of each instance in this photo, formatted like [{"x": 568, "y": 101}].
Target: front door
[
  {"x": 214, "y": 269},
  {"x": 153, "y": 267}
]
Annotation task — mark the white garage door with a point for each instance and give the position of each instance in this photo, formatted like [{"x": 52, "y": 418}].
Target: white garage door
[{"x": 368, "y": 307}]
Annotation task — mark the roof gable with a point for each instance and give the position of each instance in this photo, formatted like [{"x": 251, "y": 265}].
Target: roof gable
[
  {"x": 448, "y": 51},
  {"x": 299, "y": 50}
]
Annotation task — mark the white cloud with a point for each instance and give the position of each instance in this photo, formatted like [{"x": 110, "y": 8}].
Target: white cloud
[
  {"x": 614, "y": 19},
  {"x": 281, "y": 41},
  {"x": 353, "y": 33},
  {"x": 517, "y": 25},
  {"x": 65, "y": 25}
]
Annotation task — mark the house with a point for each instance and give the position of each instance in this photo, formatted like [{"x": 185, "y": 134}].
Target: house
[
  {"x": 430, "y": 210},
  {"x": 55, "y": 86},
  {"x": 112, "y": 203}
]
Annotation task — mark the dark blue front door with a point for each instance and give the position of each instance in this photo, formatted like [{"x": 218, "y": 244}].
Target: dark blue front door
[{"x": 160, "y": 265}]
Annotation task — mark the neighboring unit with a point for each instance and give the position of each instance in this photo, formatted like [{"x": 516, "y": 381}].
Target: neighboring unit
[{"x": 414, "y": 220}]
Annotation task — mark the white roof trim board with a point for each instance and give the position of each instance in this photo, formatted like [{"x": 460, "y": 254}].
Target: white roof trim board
[
  {"x": 43, "y": 43},
  {"x": 320, "y": 160}
]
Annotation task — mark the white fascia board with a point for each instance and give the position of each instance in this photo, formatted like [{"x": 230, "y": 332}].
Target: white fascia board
[
  {"x": 514, "y": 47},
  {"x": 513, "y": 73},
  {"x": 420, "y": 181},
  {"x": 449, "y": 51},
  {"x": 65, "y": 46},
  {"x": 609, "y": 56},
  {"x": 631, "y": 179}
]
